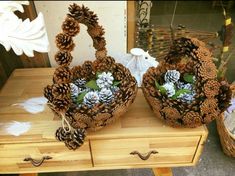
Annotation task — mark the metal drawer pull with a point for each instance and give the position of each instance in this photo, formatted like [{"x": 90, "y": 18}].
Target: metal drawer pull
[
  {"x": 144, "y": 156},
  {"x": 37, "y": 163}
]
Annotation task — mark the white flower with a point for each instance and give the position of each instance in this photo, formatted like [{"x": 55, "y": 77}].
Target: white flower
[
  {"x": 172, "y": 76},
  {"x": 91, "y": 98},
  {"x": 170, "y": 90},
  {"x": 104, "y": 80}
]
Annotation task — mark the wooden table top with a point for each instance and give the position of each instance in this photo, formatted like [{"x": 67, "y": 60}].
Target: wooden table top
[{"x": 23, "y": 84}]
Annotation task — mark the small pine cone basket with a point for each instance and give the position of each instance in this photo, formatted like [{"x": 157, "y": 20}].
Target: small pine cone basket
[
  {"x": 184, "y": 90},
  {"x": 88, "y": 96}
]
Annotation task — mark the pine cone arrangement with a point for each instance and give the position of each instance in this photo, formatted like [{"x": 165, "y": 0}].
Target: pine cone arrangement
[
  {"x": 90, "y": 95},
  {"x": 208, "y": 97}
]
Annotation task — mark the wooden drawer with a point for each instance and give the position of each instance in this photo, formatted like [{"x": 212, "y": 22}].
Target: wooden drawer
[
  {"x": 12, "y": 157},
  {"x": 171, "y": 151}
]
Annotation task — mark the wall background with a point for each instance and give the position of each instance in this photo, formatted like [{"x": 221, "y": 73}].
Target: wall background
[{"x": 112, "y": 16}]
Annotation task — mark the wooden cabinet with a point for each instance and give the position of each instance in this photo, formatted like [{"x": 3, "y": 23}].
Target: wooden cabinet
[{"x": 138, "y": 131}]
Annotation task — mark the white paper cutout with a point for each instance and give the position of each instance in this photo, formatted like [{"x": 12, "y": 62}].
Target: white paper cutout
[
  {"x": 17, "y": 128},
  {"x": 21, "y": 36},
  {"x": 33, "y": 105},
  {"x": 138, "y": 63}
]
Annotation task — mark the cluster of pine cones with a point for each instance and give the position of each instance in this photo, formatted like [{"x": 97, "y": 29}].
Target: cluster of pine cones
[
  {"x": 59, "y": 93},
  {"x": 212, "y": 95}
]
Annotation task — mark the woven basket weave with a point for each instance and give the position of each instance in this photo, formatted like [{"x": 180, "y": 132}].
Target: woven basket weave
[
  {"x": 58, "y": 94},
  {"x": 226, "y": 139}
]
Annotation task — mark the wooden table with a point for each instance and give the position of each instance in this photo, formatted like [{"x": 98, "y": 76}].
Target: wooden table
[{"x": 110, "y": 148}]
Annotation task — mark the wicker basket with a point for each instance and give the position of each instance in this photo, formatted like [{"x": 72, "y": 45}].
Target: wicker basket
[
  {"x": 226, "y": 138},
  {"x": 76, "y": 119},
  {"x": 187, "y": 56}
]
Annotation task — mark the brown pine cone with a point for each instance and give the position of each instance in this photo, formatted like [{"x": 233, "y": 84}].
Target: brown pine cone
[
  {"x": 90, "y": 18},
  {"x": 224, "y": 96},
  {"x": 203, "y": 54},
  {"x": 101, "y": 53},
  {"x": 211, "y": 88},
  {"x": 62, "y": 75},
  {"x": 207, "y": 71},
  {"x": 64, "y": 42},
  {"x": 99, "y": 43},
  {"x": 76, "y": 139},
  {"x": 170, "y": 113},
  {"x": 76, "y": 12},
  {"x": 209, "y": 105},
  {"x": 192, "y": 119},
  {"x": 61, "y": 134},
  {"x": 61, "y": 105},
  {"x": 210, "y": 117},
  {"x": 71, "y": 27},
  {"x": 61, "y": 90},
  {"x": 63, "y": 58},
  {"x": 96, "y": 31},
  {"x": 48, "y": 93},
  {"x": 82, "y": 120},
  {"x": 87, "y": 70}
]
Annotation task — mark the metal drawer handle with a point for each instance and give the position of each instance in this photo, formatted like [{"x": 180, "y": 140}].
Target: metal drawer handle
[
  {"x": 144, "y": 156},
  {"x": 37, "y": 163}
]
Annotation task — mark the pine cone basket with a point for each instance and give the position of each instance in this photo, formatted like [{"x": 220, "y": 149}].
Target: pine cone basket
[
  {"x": 69, "y": 82},
  {"x": 212, "y": 96}
]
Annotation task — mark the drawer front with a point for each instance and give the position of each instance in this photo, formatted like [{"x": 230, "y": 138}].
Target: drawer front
[
  {"x": 62, "y": 159},
  {"x": 166, "y": 150}
]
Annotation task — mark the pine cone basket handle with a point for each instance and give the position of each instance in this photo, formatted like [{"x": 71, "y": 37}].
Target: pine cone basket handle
[{"x": 71, "y": 27}]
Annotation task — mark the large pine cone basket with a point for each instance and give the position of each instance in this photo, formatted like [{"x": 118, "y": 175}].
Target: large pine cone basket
[
  {"x": 77, "y": 119},
  {"x": 212, "y": 96}
]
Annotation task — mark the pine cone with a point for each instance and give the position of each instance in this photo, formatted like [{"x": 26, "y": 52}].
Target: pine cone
[
  {"x": 64, "y": 42},
  {"x": 96, "y": 31},
  {"x": 106, "y": 95},
  {"x": 101, "y": 53},
  {"x": 209, "y": 105},
  {"x": 224, "y": 96},
  {"x": 172, "y": 76},
  {"x": 91, "y": 98},
  {"x": 61, "y": 134},
  {"x": 76, "y": 12},
  {"x": 48, "y": 93},
  {"x": 211, "y": 88},
  {"x": 99, "y": 43},
  {"x": 87, "y": 70},
  {"x": 192, "y": 119},
  {"x": 170, "y": 113},
  {"x": 80, "y": 82},
  {"x": 74, "y": 92},
  {"x": 70, "y": 27},
  {"x": 76, "y": 139},
  {"x": 62, "y": 75},
  {"x": 63, "y": 58},
  {"x": 61, "y": 105},
  {"x": 61, "y": 90},
  {"x": 207, "y": 71},
  {"x": 105, "y": 80}
]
